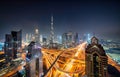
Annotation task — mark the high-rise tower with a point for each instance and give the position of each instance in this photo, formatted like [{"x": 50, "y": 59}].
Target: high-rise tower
[
  {"x": 52, "y": 31},
  {"x": 13, "y": 44},
  {"x": 95, "y": 59},
  {"x": 35, "y": 57},
  {"x": 37, "y": 39}
]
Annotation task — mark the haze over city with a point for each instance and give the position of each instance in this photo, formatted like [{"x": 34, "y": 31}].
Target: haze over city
[{"x": 101, "y": 17}]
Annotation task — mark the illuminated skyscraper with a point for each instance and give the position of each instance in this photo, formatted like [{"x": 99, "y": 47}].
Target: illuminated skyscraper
[
  {"x": 51, "y": 31},
  {"x": 29, "y": 37},
  {"x": 70, "y": 39},
  {"x": 95, "y": 59},
  {"x": 35, "y": 57},
  {"x": 41, "y": 39},
  {"x": 59, "y": 39},
  {"x": 67, "y": 39},
  {"x": 26, "y": 37},
  {"x": 37, "y": 39},
  {"x": 87, "y": 37}
]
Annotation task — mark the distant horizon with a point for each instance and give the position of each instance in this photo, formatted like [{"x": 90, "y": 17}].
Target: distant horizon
[{"x": 47, "y": 35}]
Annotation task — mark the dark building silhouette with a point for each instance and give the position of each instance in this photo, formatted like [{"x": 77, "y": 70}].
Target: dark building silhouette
[
  {"x": 13, "y": 44},
  {"x": 16, "y": 41},
  {"x": 96, "y": 60},
  {"x": 44, "y": 41},
  {"x": 76, "y": 38},
  {"x": 64, "y": 38},
  {"x": 8, "y": 47}
]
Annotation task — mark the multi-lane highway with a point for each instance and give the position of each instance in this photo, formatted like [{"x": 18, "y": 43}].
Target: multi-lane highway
[{"x": 70, "y": 63}]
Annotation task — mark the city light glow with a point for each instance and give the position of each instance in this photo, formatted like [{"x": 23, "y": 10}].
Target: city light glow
[{"x": 73, "y": 65}]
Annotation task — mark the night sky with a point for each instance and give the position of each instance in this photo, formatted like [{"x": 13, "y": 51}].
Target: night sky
[{"x": 101, "y": 17}]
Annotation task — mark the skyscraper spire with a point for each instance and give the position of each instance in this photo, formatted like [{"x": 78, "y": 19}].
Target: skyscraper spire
[{"x": 52, "y": 31}]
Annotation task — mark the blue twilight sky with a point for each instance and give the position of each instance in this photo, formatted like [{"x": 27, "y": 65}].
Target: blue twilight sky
[{"x": 101, "y": 17}]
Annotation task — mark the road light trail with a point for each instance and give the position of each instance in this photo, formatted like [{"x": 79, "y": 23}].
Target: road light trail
[{"x": 71, "y": 63}]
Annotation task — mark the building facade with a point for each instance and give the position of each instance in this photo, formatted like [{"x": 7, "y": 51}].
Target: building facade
[
  {"x": 37, "y": 35},
  {"x": 35, "y": 63},
  {"x": 70, "y": 39},
  {"x": 17, "y": 42},
  {"x": 95, "y": 60},
  {"x": 13, "y": 44},
  {"x": 8, "y": 47}
]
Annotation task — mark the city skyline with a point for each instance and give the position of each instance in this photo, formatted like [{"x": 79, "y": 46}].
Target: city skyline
[
  {"x": 99, "y": 17},
  {"x": 59, "y": 38}
]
